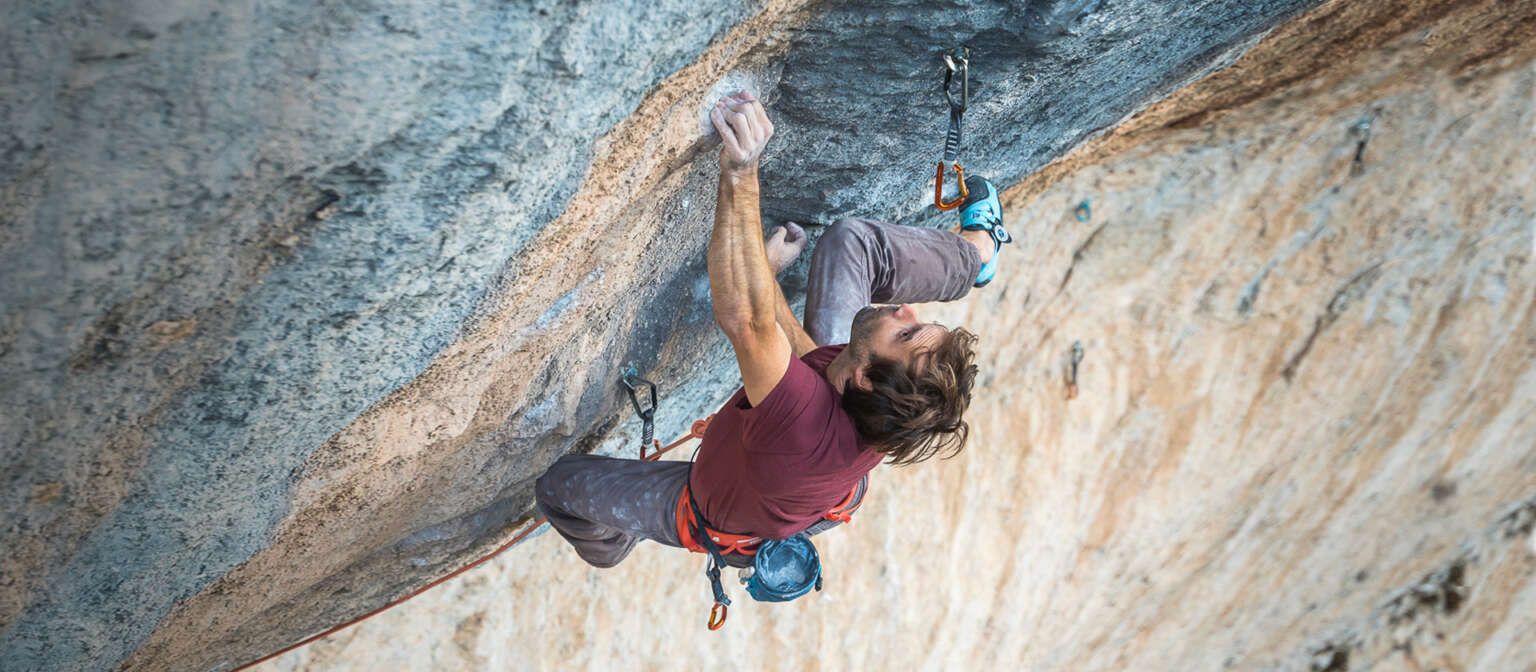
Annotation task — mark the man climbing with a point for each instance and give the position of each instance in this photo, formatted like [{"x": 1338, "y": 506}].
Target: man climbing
[{"x": 797, "y": 440}]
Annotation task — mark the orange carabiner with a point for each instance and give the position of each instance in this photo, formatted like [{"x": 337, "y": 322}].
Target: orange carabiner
[
  {"x": 656, "y": 451},
  {"x": 717, "y": 612},
  {"x": 938, "y": 188}
]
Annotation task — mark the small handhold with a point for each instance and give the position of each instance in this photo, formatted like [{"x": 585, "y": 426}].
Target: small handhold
[
  {"x": 1083, "y": 211},
  {"x": 166, "y": 332}
]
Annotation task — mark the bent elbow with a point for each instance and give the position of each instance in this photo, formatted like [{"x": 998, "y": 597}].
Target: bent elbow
[
  {"x": 742, "y": 325},
  {"x": 733, "y": 322}
]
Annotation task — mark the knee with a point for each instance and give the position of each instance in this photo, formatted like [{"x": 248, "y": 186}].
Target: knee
[
  {"x": 547, "y": 485},
  {"x": 543, "y": 492},
  {"x": 848, "y": 235}
]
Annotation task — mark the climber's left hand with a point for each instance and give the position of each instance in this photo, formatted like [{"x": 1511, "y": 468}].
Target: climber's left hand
[{"x": 745, "y": 130}]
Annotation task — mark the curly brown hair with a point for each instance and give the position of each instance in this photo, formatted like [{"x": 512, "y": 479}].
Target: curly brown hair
[{"x": 912, "y": 415}]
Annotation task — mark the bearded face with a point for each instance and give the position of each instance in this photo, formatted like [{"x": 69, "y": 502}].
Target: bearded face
[{"x": 864, "y": 321}]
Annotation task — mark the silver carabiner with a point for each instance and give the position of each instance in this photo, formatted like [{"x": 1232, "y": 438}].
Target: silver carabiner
[{"x": 958, "y": 60}]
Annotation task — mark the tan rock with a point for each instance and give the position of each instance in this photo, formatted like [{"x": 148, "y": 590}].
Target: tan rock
[{"x": 1303, "y": 437}]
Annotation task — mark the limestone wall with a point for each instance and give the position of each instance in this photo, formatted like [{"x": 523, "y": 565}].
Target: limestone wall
[
  {"x": 1304, "y": 439},
  {"x": 297, "y": 301}
]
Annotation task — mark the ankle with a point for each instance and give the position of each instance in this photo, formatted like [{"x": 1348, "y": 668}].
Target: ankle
[{"x": 980, "y": 239}]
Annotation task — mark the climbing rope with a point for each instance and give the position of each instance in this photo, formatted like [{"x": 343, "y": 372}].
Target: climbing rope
[
  {"x": 632, "y": 383},
  {"x": 957, "y": 61}
]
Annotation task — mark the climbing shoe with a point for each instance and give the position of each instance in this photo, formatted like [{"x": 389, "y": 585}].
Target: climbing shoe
[{"x": 983, "y": 211}]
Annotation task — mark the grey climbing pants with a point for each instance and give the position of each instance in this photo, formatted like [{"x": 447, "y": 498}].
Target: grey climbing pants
[
  {"x": 862, "y": 261},
  {"x": 603, "y": 506}
]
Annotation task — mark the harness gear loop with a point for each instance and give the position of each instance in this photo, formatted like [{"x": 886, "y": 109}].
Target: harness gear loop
[
  {"x": 957, "y": 60},
  {"x": 632, "y": 383},
  {"x": 716, "y": 562}
]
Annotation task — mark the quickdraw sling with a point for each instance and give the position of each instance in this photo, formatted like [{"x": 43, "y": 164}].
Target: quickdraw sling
[{"x": 956, "y": 61}]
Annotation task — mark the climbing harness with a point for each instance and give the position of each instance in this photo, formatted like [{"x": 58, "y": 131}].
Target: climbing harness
[
  {"x": 956, "y": 61},
  {"x": 688, "y": 519},
  {"x": 1077, "y": 358},
  {"x": 782, "y": 569},
  {"x": 703, "y": 534}
]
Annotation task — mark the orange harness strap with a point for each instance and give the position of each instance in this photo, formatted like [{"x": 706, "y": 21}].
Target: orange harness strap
[
  {"x": 736, "y": 543},
  {"x": 728, "y": 543},
  {"x": 843, "y": 512},
  {"x": 745, "y": 544}
]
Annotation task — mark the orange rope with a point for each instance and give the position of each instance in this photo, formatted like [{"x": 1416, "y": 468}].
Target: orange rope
[{"x": 696, "y": 432}]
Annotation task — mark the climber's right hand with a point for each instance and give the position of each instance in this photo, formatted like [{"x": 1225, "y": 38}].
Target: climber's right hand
[{"x": 744, "y": 129}]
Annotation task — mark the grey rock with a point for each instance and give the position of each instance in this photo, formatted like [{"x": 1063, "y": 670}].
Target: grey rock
[{"x": 323, "y": 196}]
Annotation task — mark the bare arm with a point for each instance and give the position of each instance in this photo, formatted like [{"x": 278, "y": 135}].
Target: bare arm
[
  {"x": 799, "y": 341},
  {"x": 783, "y": 246},
  {"x": 744, "y": 293}
]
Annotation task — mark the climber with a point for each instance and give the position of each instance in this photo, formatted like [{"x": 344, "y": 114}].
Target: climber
[{"x": 820, "y": 406}]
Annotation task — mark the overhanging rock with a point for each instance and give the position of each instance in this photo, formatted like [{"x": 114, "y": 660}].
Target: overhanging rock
[{"x": 299, "y": 300}]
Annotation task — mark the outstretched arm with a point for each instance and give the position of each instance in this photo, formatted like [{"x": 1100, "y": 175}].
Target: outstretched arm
[{"x": 744, "y": 293}]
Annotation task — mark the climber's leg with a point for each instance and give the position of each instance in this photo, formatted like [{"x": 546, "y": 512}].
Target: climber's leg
[
  {"x": 603, "y": 505},
  {"x": 862, "y": 261}
]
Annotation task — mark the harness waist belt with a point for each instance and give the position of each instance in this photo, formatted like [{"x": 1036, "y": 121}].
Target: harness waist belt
[{"x": 746, "y": 544}]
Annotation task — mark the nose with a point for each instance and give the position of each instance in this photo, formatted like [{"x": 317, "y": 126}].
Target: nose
[{"x": 905, "y": 311}]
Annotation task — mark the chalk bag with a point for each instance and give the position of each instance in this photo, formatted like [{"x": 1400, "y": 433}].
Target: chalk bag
[{"x": 785, "y": 569}]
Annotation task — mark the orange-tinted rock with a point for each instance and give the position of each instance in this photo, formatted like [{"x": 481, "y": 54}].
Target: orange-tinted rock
[{"x": 1304, "y": 436}]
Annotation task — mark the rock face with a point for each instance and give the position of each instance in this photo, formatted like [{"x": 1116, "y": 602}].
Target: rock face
[
  {"x": 298, "y": 301},
  {"x": 1303, "y": 441}
]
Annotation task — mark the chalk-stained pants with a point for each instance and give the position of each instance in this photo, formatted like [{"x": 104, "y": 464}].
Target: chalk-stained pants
[{"x": 604, "y": 505}]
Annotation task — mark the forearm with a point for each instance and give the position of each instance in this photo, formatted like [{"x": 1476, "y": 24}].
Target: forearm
[
  {"x": 741, "y": 284},
  {"x": 799, "y": 341}
]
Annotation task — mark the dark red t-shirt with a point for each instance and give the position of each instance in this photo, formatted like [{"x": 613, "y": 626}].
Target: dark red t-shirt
[{"x": 774, "y": 469}]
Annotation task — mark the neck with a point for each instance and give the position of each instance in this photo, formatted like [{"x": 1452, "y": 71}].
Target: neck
[{"x": 840, "y": 370}]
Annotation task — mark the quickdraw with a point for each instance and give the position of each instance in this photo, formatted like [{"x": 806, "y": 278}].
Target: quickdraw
[
  {"x": 1077, "y": 358},
  {"x": 633, "y": 383},
  {"x": 956, "y": 61}
]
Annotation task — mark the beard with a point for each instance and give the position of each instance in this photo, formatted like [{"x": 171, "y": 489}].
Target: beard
[{"x": 864, "y": 326}]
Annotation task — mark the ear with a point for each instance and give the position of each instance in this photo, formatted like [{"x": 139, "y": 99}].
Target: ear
[{"x": 860, "y": 381}]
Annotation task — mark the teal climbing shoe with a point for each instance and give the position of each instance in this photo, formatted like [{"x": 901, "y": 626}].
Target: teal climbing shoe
[{"x": 983, "y": 211}]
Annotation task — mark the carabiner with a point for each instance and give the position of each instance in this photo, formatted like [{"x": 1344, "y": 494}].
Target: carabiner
[
  {"x": 633, "y": 382},
  {"x": 1077, "y": 358},
  {"x": 959, "y": 60},
  {"x": 717, "y": 616},
  {"x": 938, "y": 188}
]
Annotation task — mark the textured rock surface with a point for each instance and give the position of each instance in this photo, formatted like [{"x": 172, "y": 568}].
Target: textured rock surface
[
  {"x": 298, "y": 301},
  {"x": 1304, "y": 438}
]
